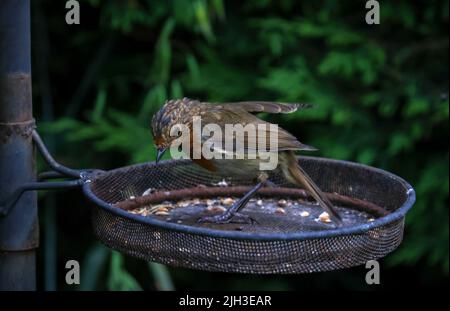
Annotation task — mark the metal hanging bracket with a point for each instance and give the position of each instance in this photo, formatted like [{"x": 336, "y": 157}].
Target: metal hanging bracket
[{"x": 78, "y": 177}]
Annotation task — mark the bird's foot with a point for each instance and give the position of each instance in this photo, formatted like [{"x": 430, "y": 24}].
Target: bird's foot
[{"x": 228, "y": 217}]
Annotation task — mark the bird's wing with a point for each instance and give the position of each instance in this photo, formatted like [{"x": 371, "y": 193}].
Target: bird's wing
[
  {"x": 255, "y": 128},
  {"x": 269, "y": 107}
]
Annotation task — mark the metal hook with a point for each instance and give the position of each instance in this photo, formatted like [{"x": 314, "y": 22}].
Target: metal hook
[
  {"x": 39, "y": 185},
  {"x": 59, "y": 171},
  {"x": 51, "y": 161}
]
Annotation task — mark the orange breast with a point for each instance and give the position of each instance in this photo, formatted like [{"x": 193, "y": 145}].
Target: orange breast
[
  {"x": 205, "y": 163},
  {"x": 158, "y": 141}
]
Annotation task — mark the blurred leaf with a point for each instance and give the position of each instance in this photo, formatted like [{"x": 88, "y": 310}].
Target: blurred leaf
[
  {"x": 92, "y": 267},
  {"x": 154, "y": 98},
  {"x": 163, "y": 281},
  {"x": 219, "y": 8},
  {"x": 119, "y": 279},
  {"x": 163, "y": 53},
  {"x": 176, "y": 90},
  {"x": 99, "y": 105},
  {"x": 415, "y": 107},
  {"x": 203, "y": 21}
]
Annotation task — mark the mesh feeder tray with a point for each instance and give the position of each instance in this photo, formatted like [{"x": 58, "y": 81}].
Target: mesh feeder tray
[
  {"x": 150, "y": 212},
  {"x": 288, "y": 239}
]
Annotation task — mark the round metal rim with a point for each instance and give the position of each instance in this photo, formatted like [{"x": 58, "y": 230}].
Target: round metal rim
[{"x": 397, "y": 214}]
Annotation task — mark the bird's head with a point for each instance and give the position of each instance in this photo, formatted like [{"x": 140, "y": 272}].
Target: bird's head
[{"x": 164, "y": 121}]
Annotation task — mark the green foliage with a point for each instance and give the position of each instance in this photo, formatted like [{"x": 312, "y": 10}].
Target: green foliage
[
  {"x": 92, "y": 267},
  {"x": 119, "y": 278},
  {"x": 162, "y": 276},
  {"x": 381, "y": 92}
]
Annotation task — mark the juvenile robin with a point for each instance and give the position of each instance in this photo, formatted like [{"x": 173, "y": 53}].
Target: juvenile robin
[{"x": 184, "y": 110}]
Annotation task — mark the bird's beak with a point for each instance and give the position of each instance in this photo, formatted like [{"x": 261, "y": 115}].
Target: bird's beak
[{"x": 159, "y": 154}]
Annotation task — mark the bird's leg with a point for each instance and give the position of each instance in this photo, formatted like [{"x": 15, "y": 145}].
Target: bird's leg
[
  {"x": 270, "y": 184},
  {"x": 233, "y": 211},
  {"x": 264, "y": 178}
]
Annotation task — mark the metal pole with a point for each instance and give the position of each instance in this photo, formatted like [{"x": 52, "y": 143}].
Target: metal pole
[{"x": 19, "y": 228}]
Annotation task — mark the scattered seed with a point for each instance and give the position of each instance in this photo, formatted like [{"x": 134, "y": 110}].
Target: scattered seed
[
  {"x": 164, "y": 206},
  {"x": 282, "y": 203},
  {"x": 132, "y": 197},
  {"x": 162, "y": 209},
  {"x": 324, "y": 217},
  {"x": 227, "y": 201},
  {"x": 259, "y": 203},
  {"x": 371, "y": 219},
  {"x": 183, "y": 204},
  {"x": 159, "y": 208},
  {"x": 222, "y": 183},
  {"x": 148, "y": 191},
  {"x": 304, "y": 214},
  {"x": 161, "y": 213},
  {"x": 216, "y": 209},
  {"x": 280, "y": 210}
]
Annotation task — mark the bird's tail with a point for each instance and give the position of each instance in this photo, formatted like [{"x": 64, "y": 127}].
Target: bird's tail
[{"x": 302, "y": 178}]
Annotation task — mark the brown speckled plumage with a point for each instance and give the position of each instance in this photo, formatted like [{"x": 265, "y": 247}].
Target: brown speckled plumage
[
  {"x": 182, "y": 111},
  {"x": 173, "y": 112}
]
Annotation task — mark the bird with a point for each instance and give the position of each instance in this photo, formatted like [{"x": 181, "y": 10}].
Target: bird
[{"x": 182, "y": 111}]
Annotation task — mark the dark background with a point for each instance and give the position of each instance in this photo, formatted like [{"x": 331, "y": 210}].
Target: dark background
[{"x": 381, "y": 96}]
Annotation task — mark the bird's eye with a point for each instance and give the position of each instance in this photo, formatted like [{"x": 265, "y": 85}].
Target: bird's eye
[{"x": 179, "y": 133}]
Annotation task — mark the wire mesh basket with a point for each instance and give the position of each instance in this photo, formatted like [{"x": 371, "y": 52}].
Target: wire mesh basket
[{"x": 276, "y": 243}]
